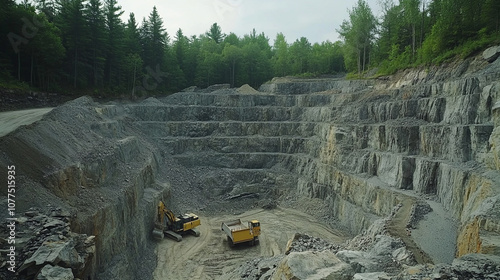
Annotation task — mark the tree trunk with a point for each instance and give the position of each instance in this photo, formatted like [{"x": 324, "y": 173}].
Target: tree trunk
[
  {"x": 413, "y": 42},
  {"x": 76, "y": 68},
  {"x": 359, "y": 61},
  {"x": 423, "y": 24},
  {"x": 133, "y": 82},
  {"x": 19, "y": 65},
  {"x": 31, "y": 70},
  {"x": 234, "y": 65},
  {"x": 364, "y": 57},
  {"x": 94, "y": 67}
]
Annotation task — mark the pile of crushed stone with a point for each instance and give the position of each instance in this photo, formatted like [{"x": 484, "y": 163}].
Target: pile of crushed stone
[{"x": 246, "y": 89}]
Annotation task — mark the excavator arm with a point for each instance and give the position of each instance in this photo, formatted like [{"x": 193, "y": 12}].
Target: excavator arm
[
  {"x": 160, "y": 223},
  {"x": 170, "y": 216},
  {"x": 174, "y": 224}
]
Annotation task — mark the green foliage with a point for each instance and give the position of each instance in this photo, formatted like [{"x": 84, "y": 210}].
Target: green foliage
[
  {"x": 215, "y": 33},
  {"x": 306, "y": 75},
  {"x": 415, "y": 32},
  {"x": 358, "y": 33},
  {"x": 97, "y": 27},
  {"x": 280, "y": 59},
  {"x": 85, "y": 46}
]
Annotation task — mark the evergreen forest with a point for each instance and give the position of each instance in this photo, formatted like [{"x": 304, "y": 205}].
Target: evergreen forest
[{"x": 84, "y": 46}]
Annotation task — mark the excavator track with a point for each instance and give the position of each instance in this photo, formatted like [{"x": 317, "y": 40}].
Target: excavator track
[
  {"x": 175, "y": 236},
  {"x": 195, "y": 232}
]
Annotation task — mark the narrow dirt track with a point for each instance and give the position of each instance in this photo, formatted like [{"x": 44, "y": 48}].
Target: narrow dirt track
[
  {"x": 397, "y": 227},
  {"x": 209, "y": 256},
  {"x": 9, "y": 121}
]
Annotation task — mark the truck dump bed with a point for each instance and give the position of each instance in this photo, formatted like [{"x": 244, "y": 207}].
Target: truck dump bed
[
  {"x": 234, "y": 225},
  {"x": 237, "y": 232}
]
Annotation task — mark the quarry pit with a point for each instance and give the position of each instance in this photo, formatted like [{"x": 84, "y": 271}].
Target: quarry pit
[{"x": 394, "y": 177}]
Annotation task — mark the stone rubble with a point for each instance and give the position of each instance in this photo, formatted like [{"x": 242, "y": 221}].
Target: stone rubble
[
  {"x": 309, "y": 257},
  {"x": 372, "y": 255},
  {"x": 48, "y": 249}
]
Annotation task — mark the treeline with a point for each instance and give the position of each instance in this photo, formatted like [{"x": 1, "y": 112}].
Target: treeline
[
  {"x": 414, "y": 32},
  {"x": 77, "y": 44}
]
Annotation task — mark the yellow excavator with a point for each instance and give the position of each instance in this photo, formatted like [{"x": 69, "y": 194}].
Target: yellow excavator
[{"x": 174, "y": 226}]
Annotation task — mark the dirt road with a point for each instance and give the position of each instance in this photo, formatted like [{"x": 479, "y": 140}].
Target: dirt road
[
  {"x": 209, "y": 256},
  {"x": 397, "y": 227},
  {"x": 9, "y": 121}
]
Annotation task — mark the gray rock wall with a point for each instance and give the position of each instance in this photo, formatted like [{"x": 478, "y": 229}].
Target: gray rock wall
[
  {"x": 84, "y": 159},
  {"x": 356, "y": 144},
  {"x": 352, "y": 143}
]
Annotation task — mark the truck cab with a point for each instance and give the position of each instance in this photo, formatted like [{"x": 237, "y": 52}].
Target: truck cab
[
  {"x": 238, "y": 232},
  {"x": 254, "y": 226}
]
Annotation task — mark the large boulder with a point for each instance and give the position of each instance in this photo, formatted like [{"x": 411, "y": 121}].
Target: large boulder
[
  {"x": 477, "y": 266},
  {"x": 56, "y": 253},
  {"x": 50, "y": 272},
  {"x": 313, "y": 265},
  {"x": 361, "y": 262},
  {"x": 491, "y": 54}
]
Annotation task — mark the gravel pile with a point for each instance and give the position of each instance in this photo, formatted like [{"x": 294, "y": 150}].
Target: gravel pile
[
  {"x": 246, "y": 89},
  {"x": 304, "y": 242},
  {"x": 256, "y": 269}
]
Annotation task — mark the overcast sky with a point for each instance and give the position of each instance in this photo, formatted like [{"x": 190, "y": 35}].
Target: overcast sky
[{"x": 316, "y": 20}]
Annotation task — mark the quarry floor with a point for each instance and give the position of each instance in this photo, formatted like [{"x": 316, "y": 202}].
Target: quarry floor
[{"x": 210, "y": 257}]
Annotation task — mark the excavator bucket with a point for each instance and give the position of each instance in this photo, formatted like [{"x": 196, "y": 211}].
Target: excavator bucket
[{"x": 158, "y": 234}]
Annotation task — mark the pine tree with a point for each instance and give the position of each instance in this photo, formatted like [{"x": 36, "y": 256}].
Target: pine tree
[
  {"x": 155, "y": 40},
  {"x": 180, "y": 48},
  {"x": 215, "y": 33},
  {"x": 115, "y": 51},
  {"x": 97, "y": 36},
  {"x": 133, "y": 60},
  {"x": 281, "y": 57},
  {"x": 490, "y": 16},
  {"x": 71, "y": 22}
]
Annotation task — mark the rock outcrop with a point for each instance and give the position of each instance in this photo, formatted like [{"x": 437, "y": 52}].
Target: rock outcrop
[{"x": 48, "y": 249}]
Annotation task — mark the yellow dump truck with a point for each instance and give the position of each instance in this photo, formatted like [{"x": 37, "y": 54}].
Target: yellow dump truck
[{"x": 237, "y": 232}]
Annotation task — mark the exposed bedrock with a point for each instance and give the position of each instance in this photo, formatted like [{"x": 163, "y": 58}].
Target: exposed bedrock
[
  {"x": 95, "y": 167},
  {"x": 362, "y": 146}
]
